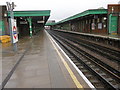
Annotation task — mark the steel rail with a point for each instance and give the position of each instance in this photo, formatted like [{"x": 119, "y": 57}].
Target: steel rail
[
  {"x": 100, "y": 77},
  {"x": 110, "y": 53}
]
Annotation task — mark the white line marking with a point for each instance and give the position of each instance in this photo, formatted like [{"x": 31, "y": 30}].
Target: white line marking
[{"x": 80, "y": 73}]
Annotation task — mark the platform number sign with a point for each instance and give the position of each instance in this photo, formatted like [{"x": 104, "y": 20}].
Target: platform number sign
[{"x": 14, "y": 31}]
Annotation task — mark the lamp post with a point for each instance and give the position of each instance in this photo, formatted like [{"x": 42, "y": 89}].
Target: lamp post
[{"x": 10, "y": 7}]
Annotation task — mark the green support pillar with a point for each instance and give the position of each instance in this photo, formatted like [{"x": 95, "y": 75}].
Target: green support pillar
[
  {"x": 110, "y": 23},
  {"x": 30, "y": 25},
  {"x": 113, "y": 20},
  {"x": 2, "y": 27}
]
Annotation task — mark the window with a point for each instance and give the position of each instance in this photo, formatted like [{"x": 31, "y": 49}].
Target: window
[
  {"x": 93, "y": 26},
  {"x": 99, "y": 25}
]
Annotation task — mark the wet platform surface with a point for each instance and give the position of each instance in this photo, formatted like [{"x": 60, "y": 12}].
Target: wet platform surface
[
  {"x": 41, "y": 67},
  {"x": 9, "y": 57}
]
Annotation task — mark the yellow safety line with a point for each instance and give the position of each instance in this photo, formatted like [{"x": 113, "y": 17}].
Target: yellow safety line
[{"x": 77, "y": 83}]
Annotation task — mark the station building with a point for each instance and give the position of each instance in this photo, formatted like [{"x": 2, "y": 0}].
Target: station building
[
  {"x": 97, "y": 21},
  {"x": 31, "y": 22},
  {"x": 49, "y": 23},
  {"x": 27, "y": 22},
  {"x": 3, "y": 21},
  {"x": 114, "y": 18}
]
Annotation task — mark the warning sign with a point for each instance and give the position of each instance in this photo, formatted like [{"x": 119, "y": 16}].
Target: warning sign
[{"x": 14, "y": 31}]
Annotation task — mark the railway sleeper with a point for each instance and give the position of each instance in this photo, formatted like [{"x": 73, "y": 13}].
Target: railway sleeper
[{"x": 106, "y": 81}]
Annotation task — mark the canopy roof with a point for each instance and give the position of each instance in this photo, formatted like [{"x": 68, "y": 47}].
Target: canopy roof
[
  {"x": 87, "y": 12},
  {"x": 31, "y": 13}
]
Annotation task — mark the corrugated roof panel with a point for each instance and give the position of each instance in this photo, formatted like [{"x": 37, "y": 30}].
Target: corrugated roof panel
[{"x": 31, "y": 13}]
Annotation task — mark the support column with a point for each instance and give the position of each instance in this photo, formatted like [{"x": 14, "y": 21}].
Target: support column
[
  {"x": 109, "y": 29},
  {"x": 119, "y": 23},
  {"x": 30, "y": 25}
]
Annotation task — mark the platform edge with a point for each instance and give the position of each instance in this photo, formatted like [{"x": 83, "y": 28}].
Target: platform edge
[{"x": 79, "y": 72}]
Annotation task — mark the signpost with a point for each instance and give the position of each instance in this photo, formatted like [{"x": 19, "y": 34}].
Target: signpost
[
  {"x": 12, "y": 26},
  {"x": 14, "y": 32}
]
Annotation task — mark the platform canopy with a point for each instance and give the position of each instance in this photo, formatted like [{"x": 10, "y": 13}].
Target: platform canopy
[
  {"x": 83, "y": 14},
  {"x": 32, "y": 13},
  {"x": 40, "y": 16},
  {"x": 30, "y": 22}
]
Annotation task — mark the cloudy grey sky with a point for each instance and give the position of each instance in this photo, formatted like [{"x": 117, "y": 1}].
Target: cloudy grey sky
[{"x": 60, "y": 9}]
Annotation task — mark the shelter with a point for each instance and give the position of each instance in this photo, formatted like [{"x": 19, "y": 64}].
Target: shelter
[
  {"x": 89, "y": 21},
  {"x": 30, "y": 22}
]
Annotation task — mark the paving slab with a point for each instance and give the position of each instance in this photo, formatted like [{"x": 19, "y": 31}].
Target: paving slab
[{"x": 41, "y": 67}]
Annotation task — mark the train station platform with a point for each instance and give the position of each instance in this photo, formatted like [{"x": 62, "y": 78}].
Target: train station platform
[
  {"x": 114, "y": 37},
  {"x": 112, "y": 41},
  {"x": 45, "y": 65}
]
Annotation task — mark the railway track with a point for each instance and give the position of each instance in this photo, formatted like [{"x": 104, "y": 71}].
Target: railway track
[
  {"x": 100, "y": 74},
  {"x": 110, "y": 56},
  {"x": 115, "y": 55}
]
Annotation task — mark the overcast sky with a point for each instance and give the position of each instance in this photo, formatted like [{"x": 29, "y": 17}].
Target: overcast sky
[{"x": 60, "y": 9}]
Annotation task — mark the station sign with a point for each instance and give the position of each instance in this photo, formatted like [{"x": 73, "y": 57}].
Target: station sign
[
  {"x": 14, "y": 31},
  {"x": 23, "y": 22},
  {"x": 40, "y": 21}
]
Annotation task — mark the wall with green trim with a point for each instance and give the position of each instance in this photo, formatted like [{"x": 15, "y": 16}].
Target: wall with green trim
[{"x": 2, "y": 28}]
